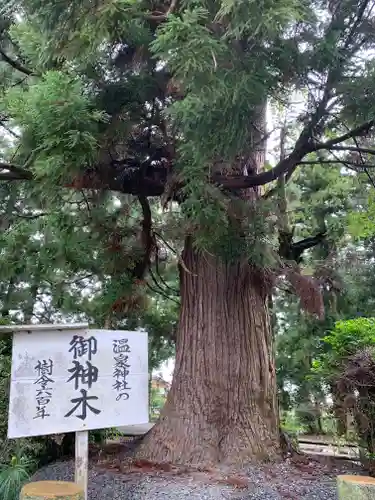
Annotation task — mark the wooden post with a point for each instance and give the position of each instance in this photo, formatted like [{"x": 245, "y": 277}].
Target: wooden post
[
  {"x": 82, "y": 460},
  {"x": 356, "y": 488}
]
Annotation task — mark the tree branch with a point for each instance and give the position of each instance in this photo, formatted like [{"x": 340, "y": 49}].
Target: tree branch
[
  {"x": 160, "y": 288},
  {"x": 284, "y": 166},
  {"x": 146, "y": 239},
  {"x": 361, "y": 130},
  {"x": 293, "y": 251},
  {"x": 175, "y": 292},
  {"x": 9, "y": 130},
  {"x": 355, "y": 165},
  {"x": 31, "y": 217},
  {"x": 162, "y": 293},
  {"x": 303, "y": 146},
  {"x": 355, "y": 25},
  {"x": 15, "y": 64},
  {"x": 14, "y": 172},
  {"x": 353, "y": 149},
  {"x": 132, "y": 177},
  {"x": 165, "y": 242}
]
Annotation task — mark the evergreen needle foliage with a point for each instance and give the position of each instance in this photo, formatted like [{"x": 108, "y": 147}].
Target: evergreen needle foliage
[{"x": 13, "y": 476}]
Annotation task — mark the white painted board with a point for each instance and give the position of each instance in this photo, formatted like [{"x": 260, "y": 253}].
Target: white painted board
[{"x": 76, "y": 380}]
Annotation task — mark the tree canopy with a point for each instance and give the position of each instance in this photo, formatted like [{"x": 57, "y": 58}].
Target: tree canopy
[{"x": 130, "y": 98}]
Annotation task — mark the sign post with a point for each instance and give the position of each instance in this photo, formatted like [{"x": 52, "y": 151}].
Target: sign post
[
  {"x": 82, "y": 460},
  {"x": 68, "y": 378}
]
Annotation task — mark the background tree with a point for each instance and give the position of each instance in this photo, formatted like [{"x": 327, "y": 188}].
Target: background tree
[{"x": 344, "y": 267}]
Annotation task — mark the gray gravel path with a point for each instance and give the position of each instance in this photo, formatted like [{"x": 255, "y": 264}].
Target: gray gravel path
[{"x": 278, "y": 482}]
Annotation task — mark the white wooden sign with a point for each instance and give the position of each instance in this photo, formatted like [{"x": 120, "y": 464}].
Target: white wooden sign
[{"x": 71, "y": 379}]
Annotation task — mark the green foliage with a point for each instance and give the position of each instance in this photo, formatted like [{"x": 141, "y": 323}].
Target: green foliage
[
  {"x": 161, "y": 325},
  {"x": 98, "y": 436},
  {"x": 33, "y": 45},
  {"x": 214, "y": 89},
  {"x": 362, "y": 219},
  {"x": 321, "y": 198},
  {"x": 359, "y": 94},
  {"x": 5, "y": 362},
  {"x": 345, "y": 340},
  {"x": 111, "y": 61},
  {"x": 348, "y": 364},
  {"x": 291, "y": 424},
  {"x": 157, "y": 402},
  {"x": 263, "y": 19},
  {"x": 13, "y": 476},
  {"x": 60, "y": 121},
  {"x": 352, "y": 335}
]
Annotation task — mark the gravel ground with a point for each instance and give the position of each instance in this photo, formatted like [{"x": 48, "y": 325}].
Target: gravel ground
[{"x": 276, "y": 482}]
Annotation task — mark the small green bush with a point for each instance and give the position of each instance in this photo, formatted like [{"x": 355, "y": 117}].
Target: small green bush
[
  {"x": 348, "y": 366},
  {"x": 157, "y": 401},
  {"x": 13, "y": 475},
  {"x": 291, "y": 424}
]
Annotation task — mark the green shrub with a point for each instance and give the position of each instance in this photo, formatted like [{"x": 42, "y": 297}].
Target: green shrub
[
  {"x": 291, "y": 424},
  {"x": 345, "y": 340},
  {"x": 13, "y": 475},
  {"x": 157, "y": 401},
  {"x": 348, "y": 367}
]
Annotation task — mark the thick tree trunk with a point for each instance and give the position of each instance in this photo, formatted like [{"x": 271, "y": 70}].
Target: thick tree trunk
[{"x": 222, "y": 403}]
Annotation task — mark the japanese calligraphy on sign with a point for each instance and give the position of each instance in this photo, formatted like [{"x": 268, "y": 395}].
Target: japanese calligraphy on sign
[
  {"x": 83, "y": 375},
  {"x": 71, "y": 379},
  {"x": 121, "y": 368},
  {"x": 44, "y": 390}
]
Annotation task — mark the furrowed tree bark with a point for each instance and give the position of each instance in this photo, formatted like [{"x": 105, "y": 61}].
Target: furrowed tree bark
[{"x": 222, "y": 403}]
